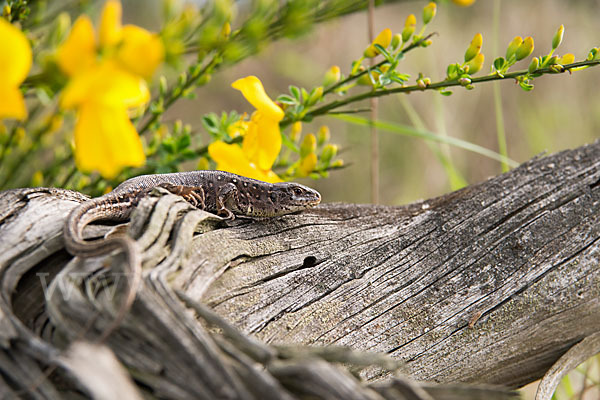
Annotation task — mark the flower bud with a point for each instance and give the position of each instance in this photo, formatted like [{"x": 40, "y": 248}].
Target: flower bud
[
  {"x": 558, "y": 37},
  {"x": 525, "y": 49},
  {"x": 474, "y": 47},
  {"x": 296, "y": 131},
  {"x": 409, "y": 27},
  {"x": 567, "y": 59},
  {"x": 315, "y": 96},
  {"x": 429, "y": 12},
  {"x": 332, "y": 75},
  {"x": 61, "y": 26},
  {"x": 225, "y": 30},
  {"x": 464, "y": 81},
  {"x": 162, "y": 86},
  {"x": 323, "y": 135},
  {"x": 307, "y": 164},
  {"x": 513, "y": 46},
  {"x": 463, "y": 3},
  {"x": 328, "y": 153},
  {"x": 475, "y": 64},
  {"x": 533, "y": 65},
  {"x": 396, "y": 41},
  {"x": 383, "y": 39},
  {"x": 365, "y": 79},
  {"x": 337, "y": 164},
  {"x": 308, "y": 146}
]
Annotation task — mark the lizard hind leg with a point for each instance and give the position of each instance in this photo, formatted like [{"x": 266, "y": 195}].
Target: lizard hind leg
[
  {"x": 226, "y": 195},
  {"x": 192, "y": 194}
]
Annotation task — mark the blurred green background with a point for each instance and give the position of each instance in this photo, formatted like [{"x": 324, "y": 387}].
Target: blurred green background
[{"x": 562, "y": 111}]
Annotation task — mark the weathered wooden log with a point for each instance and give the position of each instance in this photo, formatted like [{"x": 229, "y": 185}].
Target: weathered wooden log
[{"x": 488, "y": 285}]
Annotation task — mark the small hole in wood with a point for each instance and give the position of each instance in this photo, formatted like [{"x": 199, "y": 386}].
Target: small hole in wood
[{"x": 309, "y": 261}]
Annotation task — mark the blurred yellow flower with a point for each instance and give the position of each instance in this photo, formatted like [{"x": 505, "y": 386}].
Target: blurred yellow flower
[
  {"x": 15, "y": 62},
  {"x": 307, "y": 165},
  {"x": 463, "y": 3},
  {"x": 262, "y": 139},
  {"x": 107, "y": 78},
  {"x": 98, "y": 147}
]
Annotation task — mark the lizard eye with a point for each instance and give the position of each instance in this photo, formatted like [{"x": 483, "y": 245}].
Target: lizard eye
[{"x": 297, "y": 191}]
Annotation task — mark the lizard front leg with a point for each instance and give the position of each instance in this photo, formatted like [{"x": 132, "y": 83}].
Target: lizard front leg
[
  {"x": 192, "y": 194},
  {"x": 225, "y": 194}
]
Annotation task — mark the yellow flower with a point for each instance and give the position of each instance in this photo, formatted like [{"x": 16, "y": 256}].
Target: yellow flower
[
  {"x": 107, "y": 78},
  {"x": 253, "y": 90},
  {"x": 15, "y": 62},
  {"x": 98, "y": 148},
  {"x": 262, "y": 140},
  {"x": 231, "y": 157}
]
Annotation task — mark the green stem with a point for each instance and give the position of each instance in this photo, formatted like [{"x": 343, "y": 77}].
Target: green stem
[
  {"x": 437, "y": 85},
  {"x": 8, "y": 143},
  {"x": 500, "y": 130},
  {"x": 379, "y": 64},
  {"x": 170, "y": 99}
]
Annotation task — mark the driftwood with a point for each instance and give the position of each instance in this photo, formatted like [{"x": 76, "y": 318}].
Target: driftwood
[{"x": 489, "y": 285}]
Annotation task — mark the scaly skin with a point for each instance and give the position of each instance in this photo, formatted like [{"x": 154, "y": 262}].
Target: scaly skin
[{"x": 217, "y": 192}]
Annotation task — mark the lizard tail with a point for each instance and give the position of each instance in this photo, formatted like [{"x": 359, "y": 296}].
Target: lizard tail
[
  {"x": 94, "y": 210},
  {"x": 83, "y": 215}
]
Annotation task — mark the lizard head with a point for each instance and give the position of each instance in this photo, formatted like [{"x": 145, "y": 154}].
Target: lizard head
[{"x": 289, "y": 197}]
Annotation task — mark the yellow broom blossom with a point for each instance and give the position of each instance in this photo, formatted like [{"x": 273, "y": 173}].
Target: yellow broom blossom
[
  {"x": 107, "y": 78},
  {"x": 262, "y": 139},
  {"x": 15, "y": 62}
]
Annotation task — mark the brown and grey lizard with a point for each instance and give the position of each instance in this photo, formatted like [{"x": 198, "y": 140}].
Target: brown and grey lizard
[{"x": 218, "y": 192}]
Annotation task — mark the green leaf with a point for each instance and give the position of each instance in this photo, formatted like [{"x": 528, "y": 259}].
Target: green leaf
[
  {"x": 285, "y": 99},
  {"x": 295, "y": 92},
  {"x": 168, "y": 145},
  {"x": 305, "y": 94},
  {"x": 384, "y": 80},
  {"x": 188, "y": 154},
  {"x": 210, "y": 123},
  {"x": 499, "y": 63},
  {"x": 384, "y": 52},
  {"x": 445, "y": 92},
  {"x": 183, "y": 141},
  {"x": 423, "y": 134},
  {"x": 452, "y": 71}
]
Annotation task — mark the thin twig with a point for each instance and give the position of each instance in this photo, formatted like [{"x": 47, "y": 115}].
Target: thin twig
[{"x": 373, "y": 129}]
